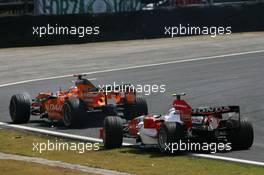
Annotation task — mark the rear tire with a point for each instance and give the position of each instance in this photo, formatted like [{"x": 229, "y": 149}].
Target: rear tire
[
  {"x": 73, "y": 110},
  {"x": 169, "y": 133},
  {"x": 113, "y": 132},
  {"x": 242, "y": 138},
  {"x": 19, "y": 108},
  {"x": 134, "y": 110}
]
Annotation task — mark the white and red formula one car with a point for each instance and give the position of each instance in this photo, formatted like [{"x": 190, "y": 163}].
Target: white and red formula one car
[{"x": 181, "y": 123}]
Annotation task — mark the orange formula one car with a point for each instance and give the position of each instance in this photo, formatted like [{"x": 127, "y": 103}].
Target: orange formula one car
[{"x": 70, "y": 105}]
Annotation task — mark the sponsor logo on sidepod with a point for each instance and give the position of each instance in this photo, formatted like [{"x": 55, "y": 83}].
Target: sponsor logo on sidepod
[{"x": 56, "y": 107}]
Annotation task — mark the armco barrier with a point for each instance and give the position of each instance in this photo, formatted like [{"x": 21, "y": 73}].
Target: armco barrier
[{"x": 17, "y": 30}]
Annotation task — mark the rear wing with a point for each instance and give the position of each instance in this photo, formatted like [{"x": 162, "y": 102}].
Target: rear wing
[
  {"x": 215, "y": 110},
  {"x": 185, "y": 108},
  {"x": 221, "y": 111}
]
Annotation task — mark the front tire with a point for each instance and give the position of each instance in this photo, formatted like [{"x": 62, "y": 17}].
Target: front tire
[
  {"x": 113, "y": 132},
  {"x": 242, "y": 137},
  {"x": 170, "y": 133},
  {"x": 134, "y": 110},
  {"x": 19, "y": 108},
  {"x": 73, "y": 110}
]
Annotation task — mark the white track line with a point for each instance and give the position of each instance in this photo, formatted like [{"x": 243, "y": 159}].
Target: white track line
[
  {"x": 55, "y": 133},
  {"x": 135, "y": 67},
  {"x": 39, "y": 79},
  {"x": 72, "y": 136},
  {"x": 229, "y": 159}
]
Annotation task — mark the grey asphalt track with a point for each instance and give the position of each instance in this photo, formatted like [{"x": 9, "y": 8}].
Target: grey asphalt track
[{"x": 233, "y": 80}]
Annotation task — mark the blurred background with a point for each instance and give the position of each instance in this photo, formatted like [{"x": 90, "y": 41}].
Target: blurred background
[{"x": 58, "y": 7}]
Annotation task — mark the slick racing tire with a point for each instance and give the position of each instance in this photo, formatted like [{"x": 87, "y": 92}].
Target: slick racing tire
[
  {"x": 113, "y": 132},
  {"x": 19, "y": 108},
  {"x": 170, "y": 133},
  {"x": 242, "y": 137},
  {"x": 141, "y": 106},
  {"x": 134, "y": 110},
  {"x": 73, "y": 110}
]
